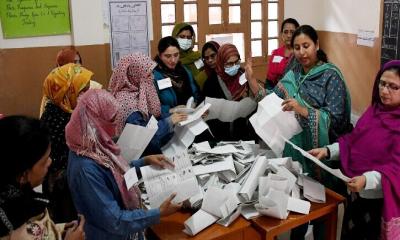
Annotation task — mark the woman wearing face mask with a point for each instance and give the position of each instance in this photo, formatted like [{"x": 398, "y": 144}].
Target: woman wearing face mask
[
  {"x": 185, "y": 35},
  {"x": 132, "y": 85},
  {"x": 96, "y": 172},
  {"x": 227, "y": 86},
  {"x": 281, "y": 57},
  {"x": 25, "y": 155},
  {"x": 62, "y": 87},
  {"x": 173, "y": 81},
  {"x": 315, "y": 90},
  {"x": 370, "y": 155}
]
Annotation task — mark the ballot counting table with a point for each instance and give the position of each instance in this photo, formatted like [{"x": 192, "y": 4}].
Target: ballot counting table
[{"x": 265, "y": 228}]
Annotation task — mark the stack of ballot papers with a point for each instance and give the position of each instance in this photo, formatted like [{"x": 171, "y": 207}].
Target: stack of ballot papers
[{"x": 222, "y": 184}]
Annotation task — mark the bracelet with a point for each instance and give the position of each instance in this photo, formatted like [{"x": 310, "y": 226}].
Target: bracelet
[{"x": 328, "y": 153}]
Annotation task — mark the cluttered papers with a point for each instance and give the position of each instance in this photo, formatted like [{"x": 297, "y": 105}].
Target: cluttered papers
[
  {"x": 161, "y": 183},
  {"x": 270, "y": 122}
]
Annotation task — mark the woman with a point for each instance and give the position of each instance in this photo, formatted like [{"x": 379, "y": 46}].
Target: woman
[
  {"x": 66, "y": 56},
  {"x": 186, "y": 37},
  {"x": 25, "y": 148},
  {"x": 62, "y": 87},
  {"x": 132, "y": 85},
  {"x": 224, "y": 83},
  {"x": 96, "y": 173},
  {"x": 316, "y": 92},
  {"x": 169, "y": 69},
  {"x": 209, "y": 75},
  {"x": 281, "y": 57},
  {"x": 370, "y": 155}
]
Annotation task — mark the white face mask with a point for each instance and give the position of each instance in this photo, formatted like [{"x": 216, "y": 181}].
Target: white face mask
[{"x": 184, "y": 43}]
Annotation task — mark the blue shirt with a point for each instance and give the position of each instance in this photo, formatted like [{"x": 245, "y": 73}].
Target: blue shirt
[{"x": 96, "y": 195}]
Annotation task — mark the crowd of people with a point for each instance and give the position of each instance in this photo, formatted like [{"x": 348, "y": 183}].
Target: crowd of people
[{"x": 72, "y": 152}]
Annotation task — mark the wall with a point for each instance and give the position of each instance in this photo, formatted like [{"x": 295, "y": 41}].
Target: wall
[
  {"x": 25, "y": 62},
  {"x": 338, "y": 22}
]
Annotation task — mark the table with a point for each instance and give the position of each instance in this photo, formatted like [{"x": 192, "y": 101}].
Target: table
[
  {"x": 171, "y": 228},
  {"x": 269, "y": 228}
]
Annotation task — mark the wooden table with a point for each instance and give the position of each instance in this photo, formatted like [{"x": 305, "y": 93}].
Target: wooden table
[
  {"x": 269, "y": 228},
  {"x": 171, "y": 228}
]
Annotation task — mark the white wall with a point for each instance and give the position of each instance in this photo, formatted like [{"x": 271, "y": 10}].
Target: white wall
[{"x": 347, "y": 16}]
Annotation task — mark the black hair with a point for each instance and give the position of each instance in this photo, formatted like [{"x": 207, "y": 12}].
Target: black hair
[
  {"x": 375, "y": 92},
  {"x": 312, "y": 34},
  {"x": 23, "y": 142},
  {"x": 291, "y": 21},
  {"x": 209, "y": 45},
  {"x": 167, "y": 42},
  {"x": 188, "y": 27}
]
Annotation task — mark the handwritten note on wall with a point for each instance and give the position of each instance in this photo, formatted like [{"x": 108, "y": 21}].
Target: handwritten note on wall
[{"x": 26, "y": 18}]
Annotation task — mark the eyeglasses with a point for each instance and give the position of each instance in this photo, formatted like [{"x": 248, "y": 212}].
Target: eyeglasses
[
  {"x": 212, "y": 56},
  {"x": 231, "y": 64},
  {"x": 390, "y": 86}
]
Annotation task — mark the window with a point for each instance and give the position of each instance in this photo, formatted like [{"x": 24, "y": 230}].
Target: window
[{"x": 252, "y": 25}]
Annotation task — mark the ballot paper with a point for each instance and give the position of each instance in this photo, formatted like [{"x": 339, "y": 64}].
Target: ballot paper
[
  {"x": 217, "y": 203},
  {"x": 272, "y": 181},
  {"x": 273, "y": 204},
  {"x": 251, "y": 183},
  {"x": 313, "y": 190},
  {"x": 183, "y": 137},
  {"x": 248, "y": 211},
  {"x": 335, "y": 172},
  {"x": 198, "y": 221},
  {"x": 298, "y": 205},
  {"x": 198, "y": 112},
  {"x": 228, "y": 111},
  {"x": 270, "y": 122},
  {"x": 135, "y": 138},
  {"x": 161, "y": 183},
  {"x": 229, "y": 219},
  {"x": 226, "y": 164}
]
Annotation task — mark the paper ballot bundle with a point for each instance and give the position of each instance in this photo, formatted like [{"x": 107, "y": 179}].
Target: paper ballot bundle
[{"x": 161, "y": 183}]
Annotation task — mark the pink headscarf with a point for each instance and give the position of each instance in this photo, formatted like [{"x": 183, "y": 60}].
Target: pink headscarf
[
  {"x": 89, "y": 133},
  {"x": 132, "y": 85}
]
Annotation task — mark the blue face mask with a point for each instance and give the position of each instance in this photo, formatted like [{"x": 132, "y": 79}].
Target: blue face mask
[{"x": 232, "y": 71}]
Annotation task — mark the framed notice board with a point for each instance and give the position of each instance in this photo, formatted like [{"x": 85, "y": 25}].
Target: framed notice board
[
  {"x": 28, "y": 18},
  {"x": 391, "y": 31}
]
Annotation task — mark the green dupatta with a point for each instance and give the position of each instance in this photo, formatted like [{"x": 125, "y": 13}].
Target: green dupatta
[
  {"x": 189, "y": 56},
  {"x": 317, "y": 132}
]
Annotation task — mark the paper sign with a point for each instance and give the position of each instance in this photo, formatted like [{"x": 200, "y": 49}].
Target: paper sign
[
  {"x": 277, "y": 59},
  {"x": 164, "y": 83},
  {"x": 242, "y": 79}
]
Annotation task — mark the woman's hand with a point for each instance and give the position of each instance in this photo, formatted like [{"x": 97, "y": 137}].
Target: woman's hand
[
  {"x": 167, "y": 207},
  {"x": 205, "y": 114},
  {"x": 356, "y": 184},
  {"x": 74, "y": 230},
  {"x": 250, "y": 77},
  {"x": 158, "y": 160},
  {"x": 176, "y": 109},
  {"x": 178, "y": 117},
  {"x": 291, "y": 104},
  {"x": 320, "y": 153}
]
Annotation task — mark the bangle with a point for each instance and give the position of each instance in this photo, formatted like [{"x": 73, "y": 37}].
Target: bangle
[{"x": 328, "y": 153}]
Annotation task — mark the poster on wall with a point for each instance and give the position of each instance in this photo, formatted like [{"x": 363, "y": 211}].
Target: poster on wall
[
  {"x": 129, "y": 28},
  {"x": 29, "y": 18}
]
